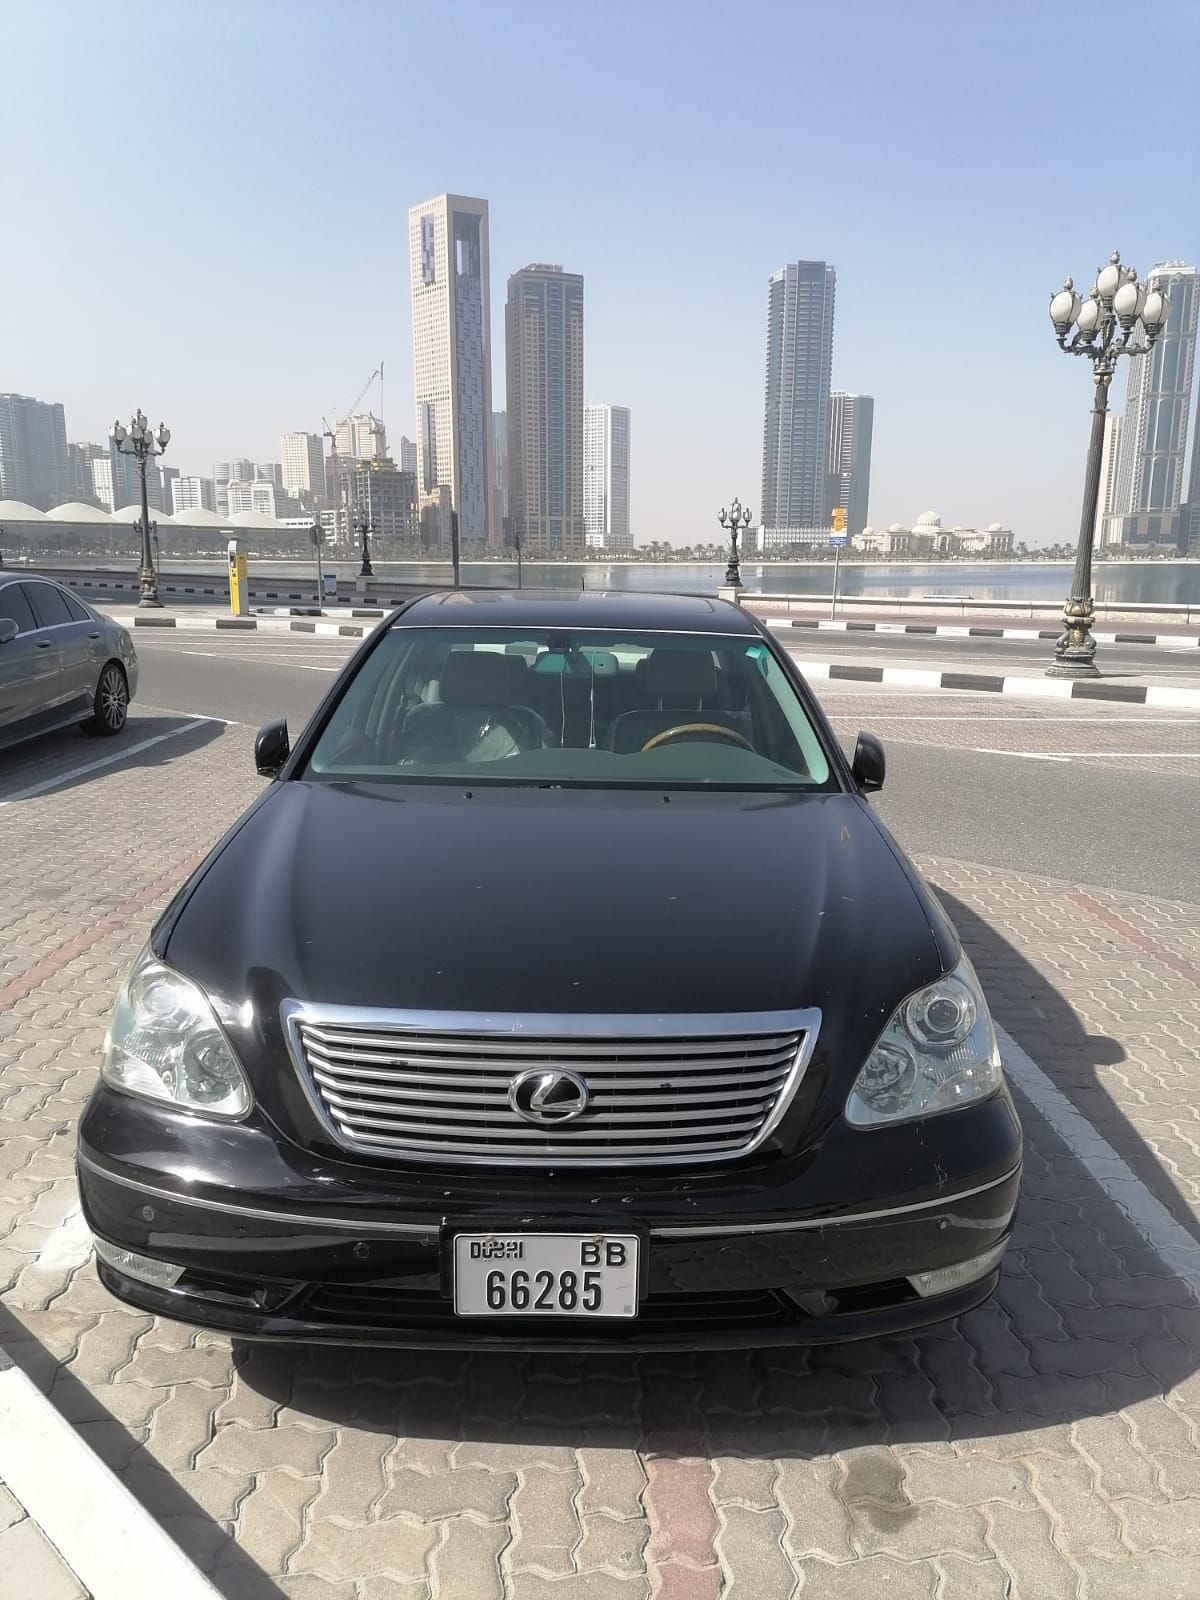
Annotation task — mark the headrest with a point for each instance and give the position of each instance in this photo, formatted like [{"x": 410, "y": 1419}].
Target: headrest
[
  {"x": 603, "y": 663},
  {"x": 681, "y": 674},
  {"x": 476, "y": 678}
]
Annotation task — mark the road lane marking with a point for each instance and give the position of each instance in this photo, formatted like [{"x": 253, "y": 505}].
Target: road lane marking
[
  {"x": 1175, "y": 1247},
  {"x": 1031, "y": 718},
  {"x": 221, "y": 655},
  {"x": 1024, "y": 755},
  {"x": 108, "y": 1539},
  {"x": 72, "y": 774},
  {"x": 173, "y": 711},
  {"x": 1094, "y": 755}
]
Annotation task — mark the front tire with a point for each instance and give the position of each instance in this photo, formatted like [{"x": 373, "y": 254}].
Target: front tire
[{"x": 111, "y": 705}]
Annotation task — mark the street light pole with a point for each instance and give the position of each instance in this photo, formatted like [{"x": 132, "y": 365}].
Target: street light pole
[
  {"x": 142, "y": 444},
  {"x": 734, "y": 521},
  {"x": 1139, "y": 311},
  {"x": 363, "y": 527}
]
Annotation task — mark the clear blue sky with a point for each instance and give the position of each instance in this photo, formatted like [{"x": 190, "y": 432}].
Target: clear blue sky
[{"x": 207, "y": 215}]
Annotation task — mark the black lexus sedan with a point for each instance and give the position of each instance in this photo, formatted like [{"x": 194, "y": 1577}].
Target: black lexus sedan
[{"x": 560, "y": 990}]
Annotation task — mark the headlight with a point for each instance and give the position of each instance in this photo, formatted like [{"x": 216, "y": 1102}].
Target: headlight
[
  {"x": 938, "y": 1052},
  {"x": 166, "y": 1043}
]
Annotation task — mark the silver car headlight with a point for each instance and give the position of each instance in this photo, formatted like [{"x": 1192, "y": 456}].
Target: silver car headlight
[
  {"x": 937, "y": 1053},
  {"x": 165, "y": 1043}
]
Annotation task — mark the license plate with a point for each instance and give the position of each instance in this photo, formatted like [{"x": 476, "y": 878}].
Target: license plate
[{"x": 545, "y": 1274}]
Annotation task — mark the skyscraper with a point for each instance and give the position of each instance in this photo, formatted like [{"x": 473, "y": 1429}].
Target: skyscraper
[
  {"x": 34, "y": 466},
  {"x": 606, "y": 477},
  {"x": 796, "y": 424},
  {"x": 452, "y": 360},
  {"x": 1110, "y": 456},
  {"x": 193, "y": 494},
  {"x": 1154, "y": 432},
  {"x": 118, "y": 484},
  {"x": 361, "y": 437},
  {"x": 851, "y": 423},
  {"x": 302, "y": 457},
  {"x": 543, "y": 327},
  {"x": 79, "y": 459},
  {"x": 500, "y": 465},
  {"x": 1189, "y": 514},
  {"x": 407, "y": 454}
]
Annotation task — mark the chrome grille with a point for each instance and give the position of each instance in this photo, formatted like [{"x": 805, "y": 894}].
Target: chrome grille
[{"x": 661, "y": 1090}]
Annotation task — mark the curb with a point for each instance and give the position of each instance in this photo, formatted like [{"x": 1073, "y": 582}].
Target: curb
[
  {"x": 104, "y": 1536},
  {"x": 1141, "y": 694},
  {"x": 944, "y": 630},
  {"x": 148, "y": 619}
]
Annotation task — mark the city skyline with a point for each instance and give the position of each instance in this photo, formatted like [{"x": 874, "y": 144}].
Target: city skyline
[{"x": 965, "y": 374}]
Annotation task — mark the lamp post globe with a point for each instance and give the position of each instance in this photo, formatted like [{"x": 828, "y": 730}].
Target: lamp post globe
[{"x": 1120, "y": 317}]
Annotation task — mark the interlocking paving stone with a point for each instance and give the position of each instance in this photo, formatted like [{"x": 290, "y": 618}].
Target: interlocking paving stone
[{"x": 1045, "y": 1445}]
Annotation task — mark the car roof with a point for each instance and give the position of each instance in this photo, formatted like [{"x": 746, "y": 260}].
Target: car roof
[{"x": 638, "y": 611}]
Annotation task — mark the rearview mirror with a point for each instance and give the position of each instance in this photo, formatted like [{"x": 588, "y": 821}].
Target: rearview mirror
[
  {"x": 272, "y": 747},
  {"x": 869, "y": 764},
  {"x": 8, "y": 630}
]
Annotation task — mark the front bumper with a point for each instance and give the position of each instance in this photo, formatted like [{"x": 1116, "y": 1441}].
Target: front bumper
[{"x": 313, "y": 1256}]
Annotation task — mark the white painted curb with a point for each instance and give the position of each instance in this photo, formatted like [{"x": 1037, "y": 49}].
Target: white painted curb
[
  {"x": 107, "y": 1537},
  {"x": 1133, "y": 694}
]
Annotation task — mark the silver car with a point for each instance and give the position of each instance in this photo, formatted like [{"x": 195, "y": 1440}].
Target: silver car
[{"x": 60, "y": 662}]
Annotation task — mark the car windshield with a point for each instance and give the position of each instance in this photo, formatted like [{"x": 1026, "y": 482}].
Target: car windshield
[{"x": 572, "y": 707}]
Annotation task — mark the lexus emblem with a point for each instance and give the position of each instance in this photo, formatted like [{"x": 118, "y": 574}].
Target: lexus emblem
[{"x": 547, "y": 1096}]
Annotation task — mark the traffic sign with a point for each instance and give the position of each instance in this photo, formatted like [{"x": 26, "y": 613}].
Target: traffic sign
[
  {"x": 838, "y": 540},
  {"x": 837, "y": 519}
]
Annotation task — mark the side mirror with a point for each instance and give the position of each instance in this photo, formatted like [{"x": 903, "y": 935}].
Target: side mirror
[
  {"x": 8, "y": 630},
  {"x": 272, "y": 747},
  {"x": 869, "y": 764}
]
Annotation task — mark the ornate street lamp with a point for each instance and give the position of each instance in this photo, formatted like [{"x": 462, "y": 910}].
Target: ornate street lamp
[
  {"x": 139, "y": 442},
  {"x": 1120, "y": 317},
  {"x": 734, "y": 521},
  {"x": 361, "y": 523}
]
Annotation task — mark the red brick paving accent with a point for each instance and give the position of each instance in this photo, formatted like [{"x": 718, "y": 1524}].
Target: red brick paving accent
[
  {"x": 683, "y": 1528},
  {"x": 110, "y": 923},
  {"x": 1131, "y": 935},
  {"x": 684, "y": 1583}
]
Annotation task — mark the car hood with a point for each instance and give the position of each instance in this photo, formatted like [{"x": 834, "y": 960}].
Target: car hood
[{"x": 564, "y": 901}]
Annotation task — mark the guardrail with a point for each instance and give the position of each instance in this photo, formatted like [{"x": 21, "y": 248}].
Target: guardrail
[
  {"x": 207, "y": 587},
  {"x": 751, "y": 599}
]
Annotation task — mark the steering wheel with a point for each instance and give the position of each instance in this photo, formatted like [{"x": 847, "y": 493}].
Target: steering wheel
[{"x": 682, "y": 729}]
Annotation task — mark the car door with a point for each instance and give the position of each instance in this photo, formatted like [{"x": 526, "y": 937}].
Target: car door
[
  {"x": 88, "y": 635},
  {"x": 76, "y": 679},
  {"x": 28, "y": 667}
]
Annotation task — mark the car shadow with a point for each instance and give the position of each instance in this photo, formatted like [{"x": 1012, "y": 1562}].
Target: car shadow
[
  {"x": 1087, "y": 1319},
  {"x": 61, "y": 761},
  {"x": 1031, "y": 1010},
  {"x": 162, "y": 1493}
]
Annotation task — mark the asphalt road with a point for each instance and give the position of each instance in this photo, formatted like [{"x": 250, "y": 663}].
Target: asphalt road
[{"x": 1101, "y": 795}]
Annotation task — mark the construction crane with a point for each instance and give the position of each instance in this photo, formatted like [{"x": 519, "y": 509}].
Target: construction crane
[{"x": 331, "y": 435}]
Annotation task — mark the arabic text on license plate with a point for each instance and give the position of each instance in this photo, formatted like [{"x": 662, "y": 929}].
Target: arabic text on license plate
[{"x": 545, "y": 1274}]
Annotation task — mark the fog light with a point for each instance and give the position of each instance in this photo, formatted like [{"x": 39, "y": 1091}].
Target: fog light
[
  {"x": 162, "y": 1274},
  {"x": 943, "y": 1279}
]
